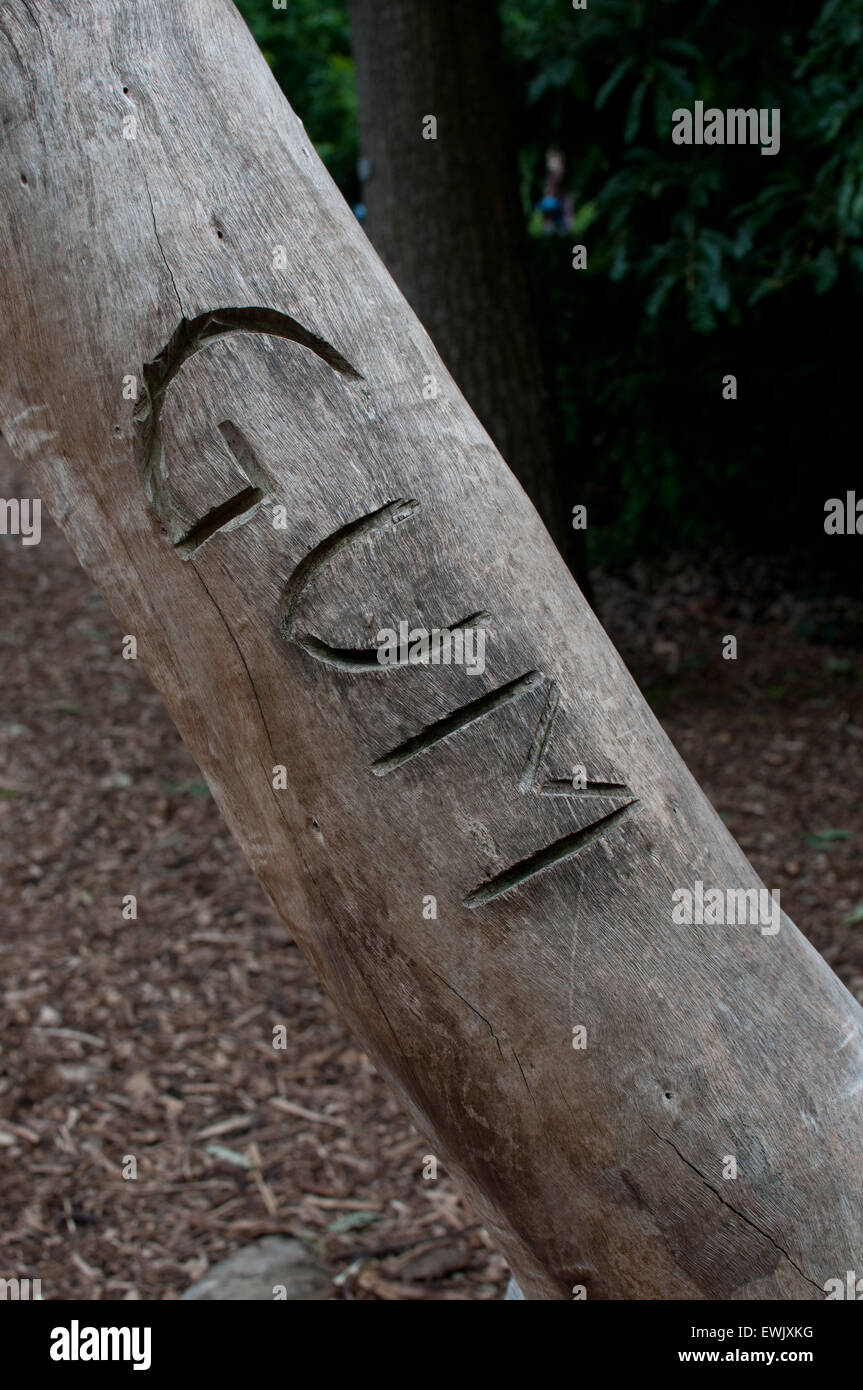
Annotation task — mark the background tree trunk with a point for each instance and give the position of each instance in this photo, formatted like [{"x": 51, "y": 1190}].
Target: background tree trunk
[
  {"x": 445, "y": 216},
  {"x": 218, "y": 389}
]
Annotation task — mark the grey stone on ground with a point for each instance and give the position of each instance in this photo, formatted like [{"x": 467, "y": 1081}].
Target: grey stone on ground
[{"x": 262, "y": 1271}]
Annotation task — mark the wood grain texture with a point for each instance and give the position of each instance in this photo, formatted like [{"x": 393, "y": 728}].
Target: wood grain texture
[{"x": 600, "y": 1166}]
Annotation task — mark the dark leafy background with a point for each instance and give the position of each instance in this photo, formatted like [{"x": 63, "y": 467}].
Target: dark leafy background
[{"x": 703, "y": 261}]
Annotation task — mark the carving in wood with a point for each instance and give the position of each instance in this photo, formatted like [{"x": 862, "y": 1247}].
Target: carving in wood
[{"x": 189, "y": 533}]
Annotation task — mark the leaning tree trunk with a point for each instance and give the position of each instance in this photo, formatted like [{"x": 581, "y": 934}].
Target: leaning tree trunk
[
  {"x": 443, "y": 211},
  {"x": 218, "y": 388}
]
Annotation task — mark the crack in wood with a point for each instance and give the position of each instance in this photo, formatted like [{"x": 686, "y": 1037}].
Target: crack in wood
[
  {"x": 472, "y": 1008},
  {"x": 736, "y": 1210}
]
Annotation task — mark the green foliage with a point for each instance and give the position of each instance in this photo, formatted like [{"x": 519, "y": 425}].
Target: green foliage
[
  {"x": 702, "y": 260},
  {"x": 718, "y": 228},
  {"x": 823, "y": 839},
  {"x": 192, "y": 788}
]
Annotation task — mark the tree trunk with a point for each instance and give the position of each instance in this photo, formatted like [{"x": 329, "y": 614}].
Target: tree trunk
[
  {"x": 442, "y": 209},
  {"x": 243, "y": 459}
]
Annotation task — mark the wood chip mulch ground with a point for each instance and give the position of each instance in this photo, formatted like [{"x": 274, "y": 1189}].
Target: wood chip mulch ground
[{"x": 152, "y": 1039}]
